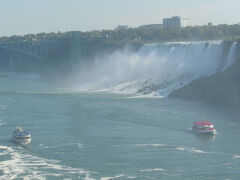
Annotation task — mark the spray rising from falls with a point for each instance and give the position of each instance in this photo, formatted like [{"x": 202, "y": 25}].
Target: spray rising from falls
[{"x": 155, "y": 69}]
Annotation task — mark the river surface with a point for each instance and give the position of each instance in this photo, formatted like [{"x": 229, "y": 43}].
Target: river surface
[{"x": 101, "y": 135}]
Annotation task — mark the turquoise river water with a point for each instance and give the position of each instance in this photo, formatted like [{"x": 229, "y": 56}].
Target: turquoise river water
[{"x": 101, "y": 135}]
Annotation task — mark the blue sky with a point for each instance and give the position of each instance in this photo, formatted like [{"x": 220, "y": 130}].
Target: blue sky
[{"x": 34, "y": 16}]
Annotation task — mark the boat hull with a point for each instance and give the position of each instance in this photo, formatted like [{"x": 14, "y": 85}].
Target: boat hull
[
  {"x": 204, "y": 132},
  {"x": 22, "y": 140}
]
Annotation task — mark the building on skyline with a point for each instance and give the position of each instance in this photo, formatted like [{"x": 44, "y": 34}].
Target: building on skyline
[
  {"x": 185, "y": 22},
  {"x": 210, "y": 23},
  {"x": 176, "y": 22}
]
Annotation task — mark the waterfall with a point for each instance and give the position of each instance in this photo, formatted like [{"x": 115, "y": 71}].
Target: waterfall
[
  {"x": 155, "y": 69},
  {"x": 231, "y": 58}
]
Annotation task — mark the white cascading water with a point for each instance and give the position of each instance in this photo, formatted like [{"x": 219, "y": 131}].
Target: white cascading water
[
  {"x": 155, "y": 69},
  {"x": 231, "y": 58}
]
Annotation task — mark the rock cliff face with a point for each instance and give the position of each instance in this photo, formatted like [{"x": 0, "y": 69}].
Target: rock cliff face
[{"x": 221, "y": 88}]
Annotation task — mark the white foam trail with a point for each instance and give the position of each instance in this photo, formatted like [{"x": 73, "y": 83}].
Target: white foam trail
[
  {"x": 152, "y": 170},
  {"x": 197, "y": 151},
  {"x": 26, "y": 166},
  {"x": 114, "y": 177},
  {"x": 132, "y": 177},
  {"x": 79, "y": 145},
  {"x": 151, "y": 145},
  {"x": 180, "y": 148},
  {"x": 236, "y": 156},
  {"x": 2, "y": 123},
  {"x": 188, "y": 149}
]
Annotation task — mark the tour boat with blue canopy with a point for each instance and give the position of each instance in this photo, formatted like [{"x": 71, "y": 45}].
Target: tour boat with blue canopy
[{"x": 21, "y": 136}]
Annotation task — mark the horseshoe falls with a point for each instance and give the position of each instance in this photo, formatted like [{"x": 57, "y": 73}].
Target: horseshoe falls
[{"x": 126, "y": 114}]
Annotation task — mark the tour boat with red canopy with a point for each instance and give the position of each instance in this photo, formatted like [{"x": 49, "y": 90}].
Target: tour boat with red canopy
[{"x": 203, "y": 127}]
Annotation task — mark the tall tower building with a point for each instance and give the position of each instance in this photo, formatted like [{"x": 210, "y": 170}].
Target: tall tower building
[{"x": 176, "y": 21}]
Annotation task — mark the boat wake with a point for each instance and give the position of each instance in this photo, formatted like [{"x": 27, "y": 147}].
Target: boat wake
[
  {"x": 19, "y": 165},
  {"x": 152, "y": 170},
  {"x": 173, "y": 147},
  {"x": 2, "y": 123}
]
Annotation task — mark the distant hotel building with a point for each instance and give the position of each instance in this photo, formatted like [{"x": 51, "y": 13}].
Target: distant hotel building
[
  {"x": 176, "y": 21},
  {"x": 210, "y": 24}
]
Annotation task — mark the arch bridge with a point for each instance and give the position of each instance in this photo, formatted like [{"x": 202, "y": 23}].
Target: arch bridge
[{"x": 38, "y": 50}]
